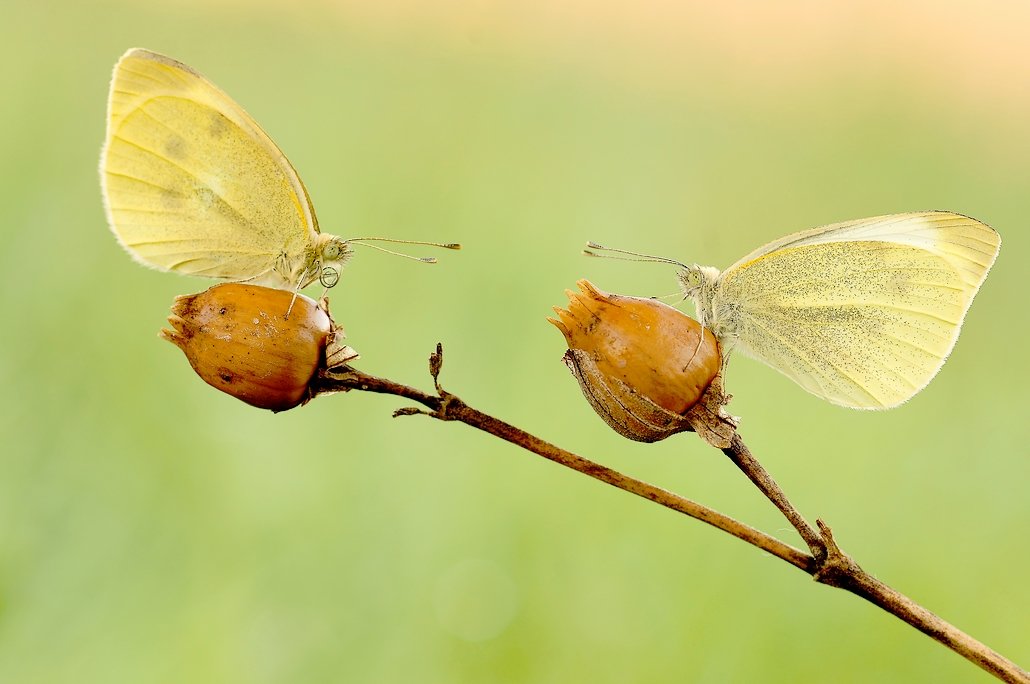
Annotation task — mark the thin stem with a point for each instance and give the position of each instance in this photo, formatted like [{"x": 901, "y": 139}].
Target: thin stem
[
  {"x": 499, "y": 428},
  {"x": 449, "y": 407},
  {"x": 741, "y": 456}
]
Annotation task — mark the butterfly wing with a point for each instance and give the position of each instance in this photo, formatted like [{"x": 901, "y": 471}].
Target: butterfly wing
[
  {"x": 191, "y": 182},
  {"x": 863, "y": 313}
]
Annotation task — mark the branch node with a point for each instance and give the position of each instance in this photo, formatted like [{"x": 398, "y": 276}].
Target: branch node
[
  {"x": 837, "y": 568},
  {"x": 448, "y": 402}
]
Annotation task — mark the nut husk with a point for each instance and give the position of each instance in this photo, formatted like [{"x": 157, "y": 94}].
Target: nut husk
[
  {"x": 643, "y": 365},
  {"x": 239, "y": 339}
]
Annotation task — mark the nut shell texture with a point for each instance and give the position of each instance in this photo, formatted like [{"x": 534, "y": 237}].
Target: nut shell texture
[{"x": 238, "y": 339}]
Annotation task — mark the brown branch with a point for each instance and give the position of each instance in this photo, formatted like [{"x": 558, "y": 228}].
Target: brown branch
[
  {"x": 827, "y": 563},
  {"x": 446, "y": 406}
]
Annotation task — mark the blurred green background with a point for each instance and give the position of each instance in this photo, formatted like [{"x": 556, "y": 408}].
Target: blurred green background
[{"x": 155, "y": 530}]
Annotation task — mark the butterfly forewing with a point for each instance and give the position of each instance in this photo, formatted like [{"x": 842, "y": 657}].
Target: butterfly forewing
[{"x": 864, "y": 313}]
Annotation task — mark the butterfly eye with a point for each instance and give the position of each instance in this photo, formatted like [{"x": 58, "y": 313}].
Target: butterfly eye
[
  {"x": 331, "y": 251},
  {"x": 690, "y": 279}
]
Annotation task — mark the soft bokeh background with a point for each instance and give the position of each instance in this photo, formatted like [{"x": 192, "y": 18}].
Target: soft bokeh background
[{"x": 155, "y": 530}]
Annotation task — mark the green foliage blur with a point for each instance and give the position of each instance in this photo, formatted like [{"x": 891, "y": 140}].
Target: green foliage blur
[{"x": 153, "y": 529}]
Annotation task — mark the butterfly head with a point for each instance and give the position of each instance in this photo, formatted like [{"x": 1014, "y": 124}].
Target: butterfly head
[
  {"x": 334, "y": 251},
  {"x": 694, "y": 280},
  {"x": 698, "y": 284},
  {"x": 331, "y": 253}
]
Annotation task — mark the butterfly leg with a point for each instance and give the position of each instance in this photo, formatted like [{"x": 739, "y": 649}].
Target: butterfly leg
[
  {"x": 727, "y": 341},
  {"x": 296, "y": 291},
  {"x": 293, "y": 300}
]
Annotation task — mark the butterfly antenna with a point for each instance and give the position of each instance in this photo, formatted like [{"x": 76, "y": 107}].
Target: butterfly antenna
[
  {"x": 595, "y": 250},
  {"x": 426, "y": 260}
]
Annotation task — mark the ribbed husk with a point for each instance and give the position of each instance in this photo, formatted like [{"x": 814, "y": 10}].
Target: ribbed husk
[{"x": 641, "y": 364}]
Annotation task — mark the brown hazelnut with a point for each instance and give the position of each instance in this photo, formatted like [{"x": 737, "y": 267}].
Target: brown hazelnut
[
  {"x": 239, "y": 339},
  {"x": 641, "y": 364}
]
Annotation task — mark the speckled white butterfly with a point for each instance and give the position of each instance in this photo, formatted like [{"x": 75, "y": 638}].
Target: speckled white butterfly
[{"x": 862, "y": 313}]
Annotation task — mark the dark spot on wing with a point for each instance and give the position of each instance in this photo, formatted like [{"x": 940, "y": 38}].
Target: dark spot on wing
[
  {"x": 175, "y": 147},
  {"x": 171, "y": 200},
  {"x": 217, "y": 125}
]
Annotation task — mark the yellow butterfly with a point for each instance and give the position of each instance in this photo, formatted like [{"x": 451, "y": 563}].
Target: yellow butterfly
[
  {"x": 862, "y": 313},
  {"x": 192, "y": 184}
]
